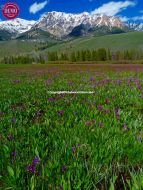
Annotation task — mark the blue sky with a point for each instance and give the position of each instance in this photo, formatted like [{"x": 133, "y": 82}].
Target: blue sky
[{"x": 127, "y": 9}]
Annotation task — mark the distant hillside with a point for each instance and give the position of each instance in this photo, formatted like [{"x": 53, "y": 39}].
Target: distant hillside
[
  {"x": 35, "y": 34},
  {"x": 15, "y": 47},
  {"x": 131, "y": 40},
  {"x": 5, "y": 35}
]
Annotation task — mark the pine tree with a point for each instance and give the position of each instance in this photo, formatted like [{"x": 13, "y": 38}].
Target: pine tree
[
  {"x": 83, "y": 55},
  {"x": 94, "y": 55},
  {"x": 102, "y": 55},
  {"x": 109, "y": 56},
  {"x": 73, "y": 57},
  {"x": 78, "y": 56},
  {"x": 87, "y": 55}
]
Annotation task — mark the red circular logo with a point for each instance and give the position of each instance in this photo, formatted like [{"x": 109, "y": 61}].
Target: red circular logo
[{"x": 10, "y": 10}]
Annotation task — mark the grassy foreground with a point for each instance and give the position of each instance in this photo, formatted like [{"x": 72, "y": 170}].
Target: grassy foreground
[{"x": 71, "y": 141}]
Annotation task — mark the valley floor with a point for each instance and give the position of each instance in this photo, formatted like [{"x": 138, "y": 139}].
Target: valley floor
[{"x": 102, "y": 66}]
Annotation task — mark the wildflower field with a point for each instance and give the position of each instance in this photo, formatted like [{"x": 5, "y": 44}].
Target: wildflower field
[{"x": 71, "y": 141}]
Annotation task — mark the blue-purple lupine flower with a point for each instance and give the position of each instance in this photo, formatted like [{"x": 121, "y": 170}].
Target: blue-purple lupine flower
[
  {"x": 99, "y": 107},
  {"x": 90, "y": 123},
  {"x": 48, "y": 82},
  {"x": 106, "y": 111},
  {"x": 13, "y": 155},
  {"x": 17, "y": 81},
  {"x": 75, "y": 113},
  {"x": 107, "y": 101},
  {"x": 32, "y": 167},
  {"x": 73, "y": 149},
  {"x": 92, "y": 79},
  {"x": 10, "y": 137},
  {"x": 36, "y": 161},
  {"x": 64, "y": 169},
  {"x": 13, "y": 120},
  {"x": 52, "y": 100},
  {"x": 125, "y": 127},
  {"x": 1, "y": 114},
  {"x": 117, "y": 113}
]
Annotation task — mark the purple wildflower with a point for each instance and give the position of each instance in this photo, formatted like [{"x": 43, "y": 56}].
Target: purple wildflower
[
  {"x": 48, "y": 82},
  {"x": 107, "y": 101},
  {"x": 1, "y": 114},
  {"x": 73, "y": 149},
  {"x": 61, "y": 113},
  {"x": 99, "y": 107},
  {"x": 16, "y": 81},
  {"x": 75, "y": 113},
  {"x": 64, "y": 169},
  {"x": 117, "y": 113},
  {"x": 36, "y": 161},
  {"x": 32, "y": 167},
  {"x": 113, "y": 97},
  {"x": 90, "y": 123},
  {"x": 13, "y": 120},
  {"x": 52, "y": 100},
  {"x": 10, "y": 137},
  {"x": 125, "y": 127},
  {"x": 106, "y": 111},
  {"x": 92, "y": 79},
  {"x": 40, "y": 113},
  {"x": 13, "y": 155}
]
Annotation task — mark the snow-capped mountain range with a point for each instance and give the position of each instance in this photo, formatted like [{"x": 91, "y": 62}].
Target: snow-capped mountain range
[
  {"x": 61, "y": 24},
  {"x": 135, "y": 26},
  {"x": 16, "y": 25}
]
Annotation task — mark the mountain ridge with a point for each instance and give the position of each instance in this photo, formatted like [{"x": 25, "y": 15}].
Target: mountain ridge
[{"x": 61, "y": 24}]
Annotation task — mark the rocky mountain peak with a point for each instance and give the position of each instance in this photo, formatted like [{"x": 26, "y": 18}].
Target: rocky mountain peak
[{"x": 61, "y": 24}]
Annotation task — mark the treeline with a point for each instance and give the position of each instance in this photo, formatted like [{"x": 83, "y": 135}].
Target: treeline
[
  {"x": 101, "y": 54},
  {"x": 23, "y": 60}
]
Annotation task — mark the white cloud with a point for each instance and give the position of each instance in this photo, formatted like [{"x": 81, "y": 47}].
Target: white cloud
[
  {"x": 141, "y": 11},
  {"x": 34, "y": 8},
  {"x": 112, "y": 8},
  {"x": 124, "y": 18},
  {"x": 137, "y": 18}
]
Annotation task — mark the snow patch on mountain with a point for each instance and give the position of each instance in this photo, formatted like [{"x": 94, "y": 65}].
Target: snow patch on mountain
[
  {"x": 16, "y": 25},
  {"x": 135, "y": 26}
]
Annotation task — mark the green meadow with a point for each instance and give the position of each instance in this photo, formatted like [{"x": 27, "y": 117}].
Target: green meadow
[{"x": 71, "y": 141}]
